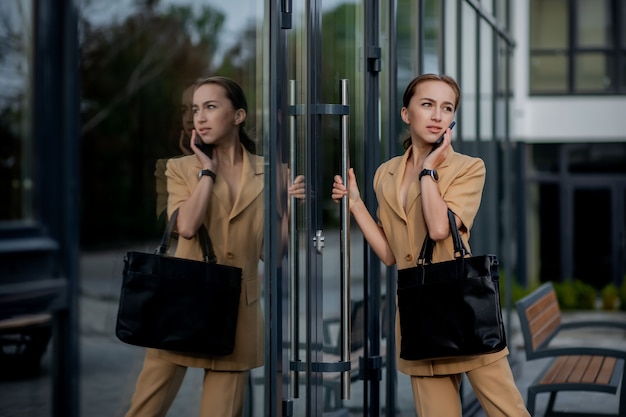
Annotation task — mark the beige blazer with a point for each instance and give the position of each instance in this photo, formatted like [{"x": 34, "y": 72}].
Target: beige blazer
[
  {"x": 461, "y": 181},
  {"x": 237, "y": 237}
]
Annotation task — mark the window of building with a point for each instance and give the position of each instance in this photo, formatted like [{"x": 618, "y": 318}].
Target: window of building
[{"x": 577, "y": 47}]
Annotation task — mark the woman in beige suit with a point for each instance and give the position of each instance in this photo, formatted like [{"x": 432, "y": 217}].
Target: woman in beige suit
[
  {"x": 414, "y": 192},
  {"x": 222, "y": 189}
]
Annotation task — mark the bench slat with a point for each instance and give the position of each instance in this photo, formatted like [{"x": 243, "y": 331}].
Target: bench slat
[
  {"x": 551, "y": 375},
  {"x": 24, "y": 321},
  {"x": 541, "y": 305},
  {"x": 544, "y": 321},
  {"x": 606, "y": 371},
  {"x": 593, "y": 369},
  {"x": 566, "y": 369},
  {"x": 579, "y": 368}
]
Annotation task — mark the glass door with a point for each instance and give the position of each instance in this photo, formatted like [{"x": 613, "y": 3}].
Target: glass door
[{"x": 323, "y": 338}]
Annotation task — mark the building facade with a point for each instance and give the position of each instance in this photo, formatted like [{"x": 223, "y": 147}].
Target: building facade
[{"x": 569, "y": 94}]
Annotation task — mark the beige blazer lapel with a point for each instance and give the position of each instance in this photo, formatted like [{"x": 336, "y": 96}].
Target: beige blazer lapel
[
  {"x": 391, "y": 191},
  {"x": 251, "y": 183}
]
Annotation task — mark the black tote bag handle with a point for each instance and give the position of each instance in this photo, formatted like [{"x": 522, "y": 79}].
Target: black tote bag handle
[
  {"x": 460, "y": 251},
  {"x": 205, "y": 240}
]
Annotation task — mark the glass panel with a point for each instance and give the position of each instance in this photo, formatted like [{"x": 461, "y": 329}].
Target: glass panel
[
  {"x": 432, "y": 36},
  {"x": 597, "y": 158},
  {"x": 502, "y": 11},
  {"x": 504, "y": 91},
  {"x": 548, "y": 232},
  {"x": 407, "y": 51},
  {"x": 137, "y": 61},
  {"x": 596, "y": 205},
  {"x": 317, "y": 152},
  {"x": 623, "y": 71},
  {"x": 591, "y": 72},
  {"x": 622, "y": 22},
  {"x": 343, "y": 60},
  {"x": 593, "y": 23},
  {"x": 548, "y": 73},
  {"x": 16, "y": 171},
  {"x": 486, "y": 83},
  {"x": 545, "y": 159},
  {"x": 295, "y": 335},
  {"x": 549, "y": 24},
  {"x": 468, "y": 109},
  {"x": 132, "y": 99},
  {"x": 407, "y": 37},
  {"x": 622, "y": 243}
]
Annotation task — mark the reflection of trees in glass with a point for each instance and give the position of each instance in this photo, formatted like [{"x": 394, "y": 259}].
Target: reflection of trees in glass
[
  {"x": 15, "y": 74},
  {"x": 146, "y": 49},
  {"x": 341, "y": 47},
  {"x": 132, "y": 75},
  {"x": 240, "y": 63}
]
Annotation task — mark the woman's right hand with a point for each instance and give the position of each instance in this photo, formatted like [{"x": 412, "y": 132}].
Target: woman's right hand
[{"x": 339, "y": 189}]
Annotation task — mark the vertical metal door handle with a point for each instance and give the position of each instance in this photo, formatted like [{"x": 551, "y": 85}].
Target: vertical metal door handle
[
  {"x": 294, "y": 285},
  {"x": 345, "y": 240}
]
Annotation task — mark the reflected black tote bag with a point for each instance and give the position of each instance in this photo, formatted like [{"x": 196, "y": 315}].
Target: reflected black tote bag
[
  {"x": 450, "y": 308},
  {"x": 179, "y": 304}
]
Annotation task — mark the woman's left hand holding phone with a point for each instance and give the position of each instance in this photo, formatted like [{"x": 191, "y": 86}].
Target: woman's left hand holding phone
[
  {"x": 192, "y": 211},
  {"x": 197, "y": 146},
  {"x": 438, "y": 152}
]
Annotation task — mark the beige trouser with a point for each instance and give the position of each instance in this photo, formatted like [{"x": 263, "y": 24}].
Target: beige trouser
[
  {"x": 493, "y": 384},
  {"x": 159, "y": 381}
]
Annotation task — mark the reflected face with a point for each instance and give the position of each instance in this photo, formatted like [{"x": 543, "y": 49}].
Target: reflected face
[
  {"x": 215, "y": 118},
  {"x": 430, "y": 110},
  {"x": 186, "y": 112}
]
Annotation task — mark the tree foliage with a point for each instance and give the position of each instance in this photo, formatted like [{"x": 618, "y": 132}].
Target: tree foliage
[{"x": 132, "y": 74}]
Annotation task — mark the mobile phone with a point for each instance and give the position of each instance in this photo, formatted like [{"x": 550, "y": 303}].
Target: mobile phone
[
  {"x": 207, "y": 149},
  {"x": 440, "y": 140}
]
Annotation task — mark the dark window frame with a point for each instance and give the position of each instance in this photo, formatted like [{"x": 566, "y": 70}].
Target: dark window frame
[{"x": 615, "y": 51}]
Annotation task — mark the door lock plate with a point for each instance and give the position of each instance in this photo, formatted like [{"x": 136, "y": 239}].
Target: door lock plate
[{"x": 318, "y": 241}]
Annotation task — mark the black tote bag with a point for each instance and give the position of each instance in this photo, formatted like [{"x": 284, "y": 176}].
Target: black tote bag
[
  {"x": 450, "y": 308},
  {"x": 179, "y": 304}
]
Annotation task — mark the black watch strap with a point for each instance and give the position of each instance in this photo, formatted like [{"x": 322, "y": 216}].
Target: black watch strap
[
  {"x": 208, "y": 173},
  {"x": 431, "y": 172}
]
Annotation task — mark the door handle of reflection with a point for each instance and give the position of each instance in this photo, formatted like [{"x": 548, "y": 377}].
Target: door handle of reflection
[
  {"x": 294, "y": 282},
  {"x": 345, "y": 240}
]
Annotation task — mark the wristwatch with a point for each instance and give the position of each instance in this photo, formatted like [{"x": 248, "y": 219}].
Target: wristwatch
[
  {"x": 431, "y": 172},
  {"x": 208, "y": 173}
]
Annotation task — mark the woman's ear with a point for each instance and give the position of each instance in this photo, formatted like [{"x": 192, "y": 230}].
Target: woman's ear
[
  {"x": 240, "y": 116},
  {"x": 404, "y": 115}
]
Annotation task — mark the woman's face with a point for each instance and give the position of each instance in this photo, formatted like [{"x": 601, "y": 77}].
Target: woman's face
[
  {"x": 214, "y": 117},
  {"x": 430, "y": 110}
]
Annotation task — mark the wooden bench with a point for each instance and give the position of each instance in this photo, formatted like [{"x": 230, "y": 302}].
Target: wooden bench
[
  {"x": 23, "y": 341},
  {"x": 572, "y": 368}
]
